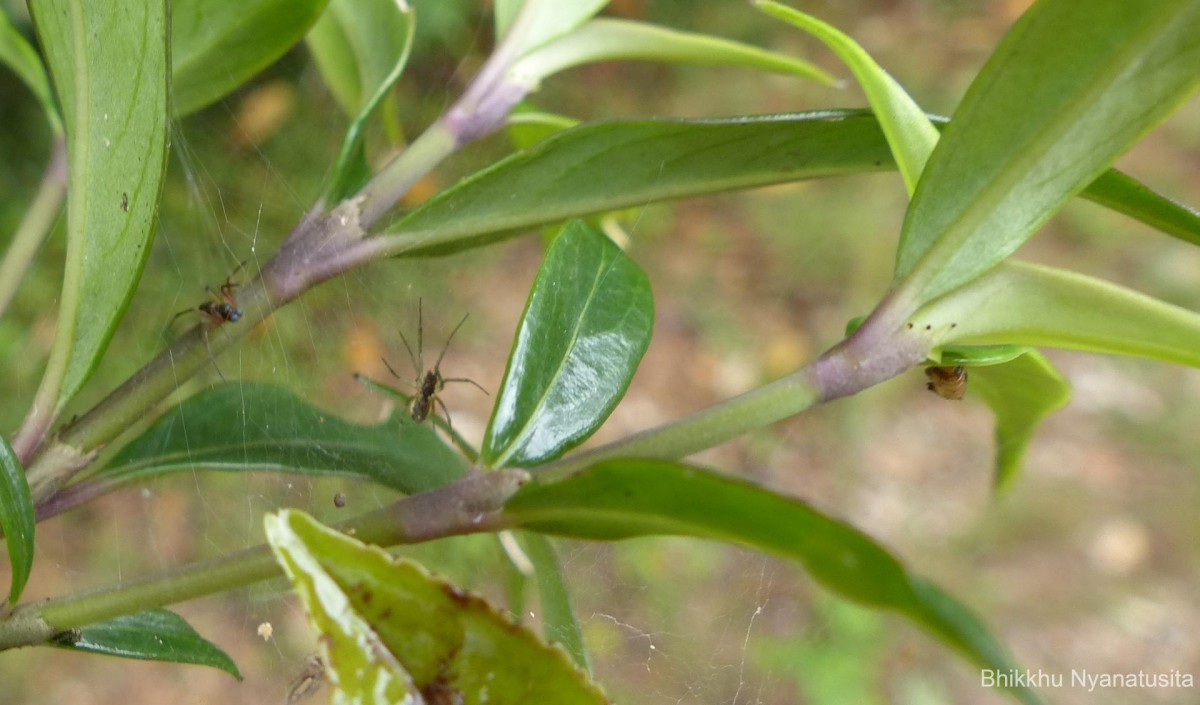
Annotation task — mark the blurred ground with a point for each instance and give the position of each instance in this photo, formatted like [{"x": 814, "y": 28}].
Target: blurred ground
[{"x": 1089, "y": 563}]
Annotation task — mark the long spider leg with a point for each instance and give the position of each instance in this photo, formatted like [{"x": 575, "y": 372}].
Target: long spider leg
[
  {"x": 468, "y": 381},
  {"x": 420, "y": 340},
  {"x": 212, "y": 359},
  {"x": 448, "y": 339},
  {"x": 411, "y": 357},
  {"x": 449, "y": 423},
  {"x": 389, "y": 368}
]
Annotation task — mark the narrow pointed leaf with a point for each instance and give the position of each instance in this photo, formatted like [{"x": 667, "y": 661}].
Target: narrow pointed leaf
[
  {"x": 113, "y": 96},
  {"x": 361, "y": 48},
  {"x": 606, "y": 39},
  {"x": 908, "y": 130},
  {"x": 608, "y": 166},
  {"x": 625, "y": 498},
  {"x": 16, "y": 519},
  {"x": 1124, "y": 194},
  {"x": 247, "y": 427},
  {"x": 585, "y": 328},
  {"x": 547, "y": 19},
  {"x": 23, "y": 60},
  {"x": 454, "y": 646},
  {"x": 155, "y": 635},
  {"x": 217, "y": 45},
  {"x": 1024, "y": 387},
  {"x": 1069, "y": 88},
  {"x": 1028, "y": 304},
  {"x": 1021, "y": 387},
  {"x": 559, "y": 622}
]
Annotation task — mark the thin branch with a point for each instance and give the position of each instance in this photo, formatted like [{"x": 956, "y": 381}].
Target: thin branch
[
  {"x": 466, "y": 506},
  {"x": 36, "y": 225},
  {"x": 883, "y": 347}
]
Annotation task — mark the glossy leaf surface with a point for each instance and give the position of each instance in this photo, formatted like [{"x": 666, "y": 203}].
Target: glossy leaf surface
[
  {"x": 361, "y": 48},
  {"x": 1027, "y": 304},
  {"x": 607, "y": 166},
  {"x": 16, "y": 519},
  {"x": 154, "y": 635},
  {"x": 452, "y": 644},
  {"x": 113, "y": 96},
  {"x": 217, "y": 45},
  {"x": 1021, "y": 387},
  {"x": 23, "y": 60},
  {"x": 620, "y": 499},
  {"x": 586, "y": 325},
  {"x": 606, "y": 39},
  {"x": 1086, "y": 80},
  {"x": 263, "y": 427}
]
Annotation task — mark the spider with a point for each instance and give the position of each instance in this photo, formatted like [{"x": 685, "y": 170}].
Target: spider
[
  {"x": 221, "y": 307},
  {"x": 429, "y": 382}
]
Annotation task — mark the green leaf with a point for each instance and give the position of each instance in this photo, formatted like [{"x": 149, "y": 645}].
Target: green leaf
[
  {"x": 623, "y": 40},
  {"x": 18, "y": 55},
  {"x": 248, "y": 427},
  {"x": 361, "y": 48},
  {"x": 585, "y": 327},
  {"x": 1021, "y": 387},
  {"x": 908, "y": 130},
  {"x": 527, "y": 125},
  {"x": 607, "y": 166},
  {"x": 376, "y": 613},
  {"x": 1069, "y": 88},
  {"x": 155, "y": 635},
  {"x": 1027, "y": 304},
  {"x": 558, "y": 616},
  {"x": 359, "y": 666},
  {"x": 217, "y": 45},
  {"x": 546, "y": 20},
  {"x": 624, "y": 498},
  {"x": 1123, "y": 193},
  {"x": 16, "y": 519},
  {"x": 113, "y": 96}
]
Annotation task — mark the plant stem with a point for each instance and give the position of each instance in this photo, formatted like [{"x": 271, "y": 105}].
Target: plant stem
[
  {"x": 463, "y": 507},
  {"x": 322, "y": 246},
  {"x": 399, "y": 175},
  {"x": 36, "y": 225},
  {"x": 703, "y": 429},
  {"x": 881, "y": 348}
]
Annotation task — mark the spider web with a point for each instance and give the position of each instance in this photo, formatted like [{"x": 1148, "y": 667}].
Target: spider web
[{"x": 666, "y": 620}]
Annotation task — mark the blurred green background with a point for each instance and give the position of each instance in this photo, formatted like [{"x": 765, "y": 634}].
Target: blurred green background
[{"x": 1089, "y": 563}]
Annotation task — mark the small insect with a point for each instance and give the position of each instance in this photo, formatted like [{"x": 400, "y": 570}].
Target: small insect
[
  {"x": 339, "y": 500},
  {"x": 947, "y": 382},
  {"x": 429, "y": 383},
  {"x": 125, "y": 202},
  {"x": 221, "y": 307}
]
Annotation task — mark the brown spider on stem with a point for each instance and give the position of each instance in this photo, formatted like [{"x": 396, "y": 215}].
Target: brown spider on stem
[{"x": 429, "y": 382}]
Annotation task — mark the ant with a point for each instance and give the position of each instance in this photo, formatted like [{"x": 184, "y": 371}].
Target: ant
[
  {"x": 429, "y": 382},
  {"x": 222, "y": 308}
]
